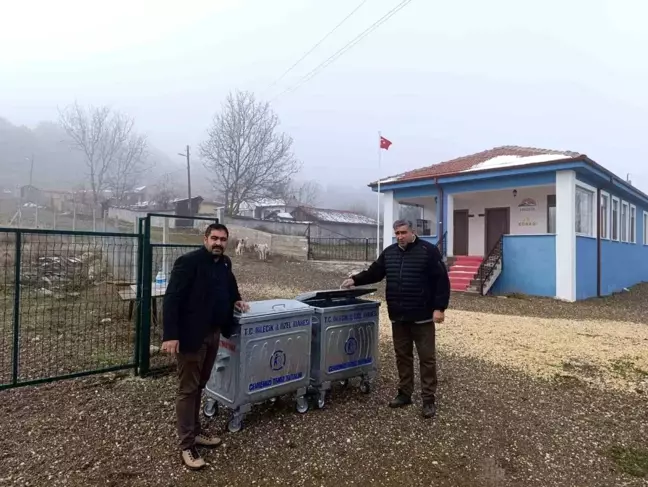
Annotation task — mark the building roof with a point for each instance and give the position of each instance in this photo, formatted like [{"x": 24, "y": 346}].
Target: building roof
[
  {"x": 507, "y": 156},
  {"x": 337, "y": 216}
]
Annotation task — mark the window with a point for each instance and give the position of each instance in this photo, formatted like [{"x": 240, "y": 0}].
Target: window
[
  {"x": 584, "y": 211},
  {"x": 645, "y": 228},
  {"x": 624, "y": 221},
  {"x": 551, "y": 213},
  {"x": 615, "y": 218},
  {"x": 633, "y": 224},
  {"x": 605, "y": 215}
]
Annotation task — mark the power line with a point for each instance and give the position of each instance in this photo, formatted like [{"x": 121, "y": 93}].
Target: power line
[
  {"x": 340, "y": 52},
  {"x": 316, "y": 45}
]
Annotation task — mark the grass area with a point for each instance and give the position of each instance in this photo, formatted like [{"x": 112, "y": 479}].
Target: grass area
[{"x": 632, "y": 461}]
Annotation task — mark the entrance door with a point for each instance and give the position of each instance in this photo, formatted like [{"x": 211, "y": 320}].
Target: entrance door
[
  {"x": 497, "y": 224},
  {"x": 460, "y": 225}
]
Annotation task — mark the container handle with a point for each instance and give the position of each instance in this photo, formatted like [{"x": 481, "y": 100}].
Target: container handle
[{"x": 274, "y": 307}]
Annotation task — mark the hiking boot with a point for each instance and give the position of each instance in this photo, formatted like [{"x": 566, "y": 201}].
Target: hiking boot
[
  {"x": 400, "y": 401},
  {"x": 192, "y": 459},
  {"x": 207, "y": 441},
  {"x": 429, "y": 410}
]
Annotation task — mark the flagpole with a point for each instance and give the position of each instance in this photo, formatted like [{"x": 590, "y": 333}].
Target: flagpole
[{"x": 378, "y": 203}]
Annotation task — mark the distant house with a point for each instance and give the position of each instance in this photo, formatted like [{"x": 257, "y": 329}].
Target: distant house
[
  {"x": 261, "y": 209},
  {"x": 136, "y": 196},
  {"x": 535, "y": 221},
  {"x": 181, "y": 207},
  {"x": 336, "y": 223},
  {"x": 31, "y": 194},
  {"x": 209, "y": 208}
]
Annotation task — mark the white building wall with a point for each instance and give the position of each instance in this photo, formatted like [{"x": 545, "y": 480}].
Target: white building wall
[
  {"x": 429, "y": 211},
  {"x": 524, "y": 220},
  {"x": 391, "y": 208},
  {"x": 566, "y": 235}
]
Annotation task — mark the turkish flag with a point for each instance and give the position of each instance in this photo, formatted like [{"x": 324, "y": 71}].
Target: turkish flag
[{"x": 384, "y": 143}]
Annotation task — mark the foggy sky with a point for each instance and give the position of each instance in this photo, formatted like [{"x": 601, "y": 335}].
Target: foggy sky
[{"x": 439, "y": 79}]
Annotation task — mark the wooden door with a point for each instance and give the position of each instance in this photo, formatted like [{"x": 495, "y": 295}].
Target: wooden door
[
  {"x": 497, "y": 224},
  {"x": 460, "y": 235}
]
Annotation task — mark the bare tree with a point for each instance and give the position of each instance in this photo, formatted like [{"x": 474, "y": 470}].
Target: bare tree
[
  {"x": 306, "y": 193},
  {"x": 113, "y": 152},
  {"x": 165, "y": 191},
  {"x": 129, "y": 165},
  {"x": 246, "y": 155}
]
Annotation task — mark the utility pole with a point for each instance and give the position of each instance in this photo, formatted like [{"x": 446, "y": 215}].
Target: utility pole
[{"x": 187, "y": 155}]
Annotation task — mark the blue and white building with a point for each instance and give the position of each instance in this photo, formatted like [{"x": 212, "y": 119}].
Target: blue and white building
[{"x": 526, "y": 220}]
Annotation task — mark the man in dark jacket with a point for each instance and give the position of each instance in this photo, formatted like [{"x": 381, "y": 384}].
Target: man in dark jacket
[
  {"x": 418, "y": 291},
  {"x": 198, "y": 307}
]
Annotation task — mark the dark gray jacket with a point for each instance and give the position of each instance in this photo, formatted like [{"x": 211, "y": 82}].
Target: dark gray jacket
[{"x": 417, "y": 280}]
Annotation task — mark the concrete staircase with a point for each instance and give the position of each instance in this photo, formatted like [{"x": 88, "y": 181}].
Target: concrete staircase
[{"x": 462, "y": 270}]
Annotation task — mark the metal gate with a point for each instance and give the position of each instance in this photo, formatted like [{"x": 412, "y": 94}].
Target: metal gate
[
  {"x": 76, "y": 303},
  {"x": 60, "y": 314},
  {"x": 158, "y": 257}
]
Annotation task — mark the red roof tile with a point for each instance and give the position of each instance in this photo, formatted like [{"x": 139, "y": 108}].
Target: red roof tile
[{"x": 465, "y": 163}]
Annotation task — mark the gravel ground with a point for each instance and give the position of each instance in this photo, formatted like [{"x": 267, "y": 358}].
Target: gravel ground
[{"x": 532, "y": 393}]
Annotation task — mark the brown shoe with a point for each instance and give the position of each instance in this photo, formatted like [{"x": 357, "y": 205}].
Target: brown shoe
[
  {"x": 207, "y": 441},
  {"x": 192, "y": 459}
]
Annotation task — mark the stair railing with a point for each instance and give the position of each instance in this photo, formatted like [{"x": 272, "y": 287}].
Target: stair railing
[
  {"x": 441, "y": 244},
  {"x": 489, "y": 264}
]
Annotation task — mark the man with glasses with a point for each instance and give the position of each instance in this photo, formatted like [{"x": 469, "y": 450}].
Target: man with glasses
[
  {"x": 418, "y": 292},
  {"x": 198, "y": 307}
]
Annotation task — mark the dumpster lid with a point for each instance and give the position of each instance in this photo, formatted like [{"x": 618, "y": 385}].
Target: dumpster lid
[
  {"x": 271, "y": 307},
  {"x": 330, "y": 294}
]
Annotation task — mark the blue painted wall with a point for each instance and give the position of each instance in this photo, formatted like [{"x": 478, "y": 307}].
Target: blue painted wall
[
  {"x": 494, "y": 184},
  {"x": 622, "y": 264},
  {"x": 585, "y": 267},
  {"x": 529, "y": 266}
]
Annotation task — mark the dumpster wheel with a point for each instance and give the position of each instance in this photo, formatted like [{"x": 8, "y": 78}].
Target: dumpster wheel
[
  {"x": 210, "y": 409},
  {"x": 302, "y": 405},
  {"x": 365, "y": 387},
  {"x": 235, "y": 424},
  {"x": 321, "y": 400}
]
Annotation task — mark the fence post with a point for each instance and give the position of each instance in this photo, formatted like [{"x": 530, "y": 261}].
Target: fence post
[
  {"x": 16, "y": 313},
  {"x": 137, "y": 228},
  {"x": 366, "y": 249},
  {"x": 147, "y": 269},
  {"x": 138, "y": 293},
  {"x": 165, "y": 241}
]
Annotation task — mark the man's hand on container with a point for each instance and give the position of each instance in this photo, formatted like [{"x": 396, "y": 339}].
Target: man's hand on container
[
  {"x": 242, "y": 306},
  {"x": 347, "y": 284},
  {"x": 438, "y": 316},
  {"x": 171, "y": 346}
]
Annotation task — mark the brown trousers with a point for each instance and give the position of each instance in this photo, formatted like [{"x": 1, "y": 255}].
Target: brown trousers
[
  {"x": 423, "y": 335},
  {"x": 194, "y": 370}
]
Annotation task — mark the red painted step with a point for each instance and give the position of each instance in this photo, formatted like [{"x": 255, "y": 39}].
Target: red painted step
[{"x": 463, "y": 271}]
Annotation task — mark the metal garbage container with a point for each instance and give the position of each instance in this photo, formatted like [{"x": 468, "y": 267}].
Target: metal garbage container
[
  {"x": 268, "y": 356},
  {"x": 344, "y": 344}
]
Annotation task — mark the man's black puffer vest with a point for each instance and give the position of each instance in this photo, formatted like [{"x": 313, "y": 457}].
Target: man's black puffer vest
[{"x": 417, "y": 280}]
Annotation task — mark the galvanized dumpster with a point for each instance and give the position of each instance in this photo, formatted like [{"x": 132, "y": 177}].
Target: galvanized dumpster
[
  {"x": 345, "y": 338},
  {"x": 268, "y": 356}
]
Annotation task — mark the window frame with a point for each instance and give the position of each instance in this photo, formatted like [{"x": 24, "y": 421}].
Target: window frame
[
  {"x": 593, "y": 225},
  {"x": 608, "y": 212},
  {"x": 618, "y": 235},
  {"x": 624, "y": 234},
  {"x": 632, "y": 227}
]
